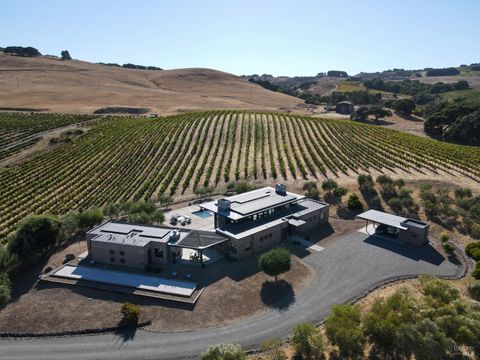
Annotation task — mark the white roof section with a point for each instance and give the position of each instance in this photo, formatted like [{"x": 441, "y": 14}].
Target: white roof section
[
  {"x": 129, "y": 279},
  {"x": 132, "y": 234},
  {"x": 252, "y": 202},
  {"x": 384, "y": 218},
  {"x": 303, "y": 207}
]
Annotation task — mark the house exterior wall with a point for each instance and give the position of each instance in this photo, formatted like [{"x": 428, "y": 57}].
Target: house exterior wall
[
  {"x": 414, "y": 235},
  {"x": 118, "y": 254},
  {"x": 314, "y": 219}
]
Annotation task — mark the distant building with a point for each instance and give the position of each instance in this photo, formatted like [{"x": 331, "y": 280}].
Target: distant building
[
  {"x": 404, "y": 230},
  {"x": 259, "y": 219},
  {"x": 344, "y": 107}
]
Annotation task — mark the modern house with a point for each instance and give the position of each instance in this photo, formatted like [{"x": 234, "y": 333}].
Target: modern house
[
  {"x": 245, "y": 225},
  {"x": 259, "y": 219},
  {"x": 404, "y": 230},
  {"x": 143, "y": 246}
]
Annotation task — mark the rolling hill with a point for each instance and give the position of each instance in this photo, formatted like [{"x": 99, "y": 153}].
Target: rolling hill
[{"x": 74, "y": 86}]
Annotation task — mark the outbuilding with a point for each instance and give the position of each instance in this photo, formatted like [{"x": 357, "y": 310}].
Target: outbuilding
[
  {"x": 404, "y": 230},
  {"x": 344, "y": 107}
]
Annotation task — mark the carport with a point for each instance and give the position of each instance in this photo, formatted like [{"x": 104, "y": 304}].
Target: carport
[{"x": 392, "y": 224}]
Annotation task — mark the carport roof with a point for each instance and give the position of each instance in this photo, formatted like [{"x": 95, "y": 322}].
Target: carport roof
[{"x": 384, "y": 218}]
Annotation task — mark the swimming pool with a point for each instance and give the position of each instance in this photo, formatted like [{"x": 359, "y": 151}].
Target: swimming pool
[{"x": 202, "y": 213}]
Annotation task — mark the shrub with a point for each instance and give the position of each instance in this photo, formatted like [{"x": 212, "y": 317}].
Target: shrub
[
  {"x": 130, "y": 312},
  {"x": 90, "y": 217},
  {"x": 476, "y": 272},
  {"x": 275, "y": 262},
  {"x": 354, "y": 202},
  {"x": 440, "y": 291},
  {"x": 224, "y": 352},
  {"x": 461, "y": 193},
  {"x": 340, "y": 192},
  {"x": 473, "y": 250},
  {"x": 475, "y": 232},
  {"x": 474, "y": 290},
  {"x": 307, "y": 341},
  {"x": 343, "y": 329},
  {"x": 443, "y": 237},
  {"x": 395, "y": 204},
  {"x": 375, "y": 202},
  {"x": 273, "y": 349},
  {"x": 449, "y": 249}
]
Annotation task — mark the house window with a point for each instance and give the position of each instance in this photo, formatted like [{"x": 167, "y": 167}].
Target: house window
[
  {"x": 112, "y": 252},
  {"x": 122, "y": 253},
  {"x": 159, "y": 253},
  {"x": 122, "y": 261},
  {"x": 270, "y": 235},
  {"x": 112, "y": 259},
  {"x": 322, "y": 215},
  {"x": 414, "y": 235},
  {"x": 233, "y": 248}
]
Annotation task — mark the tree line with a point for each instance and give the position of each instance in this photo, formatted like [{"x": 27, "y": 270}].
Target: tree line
[
  {"x": 131, "y": 66},
  {"x": 22, "y": 51}
]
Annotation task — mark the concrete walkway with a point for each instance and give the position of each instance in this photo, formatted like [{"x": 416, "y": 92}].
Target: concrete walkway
[{"x": 345, "y": 270}]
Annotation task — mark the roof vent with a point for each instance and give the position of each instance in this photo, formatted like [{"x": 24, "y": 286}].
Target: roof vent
[
  {"x": 175, "y": 235},
  {"x": 281, "y": 189},
  {"x": 223, "y": 204}
]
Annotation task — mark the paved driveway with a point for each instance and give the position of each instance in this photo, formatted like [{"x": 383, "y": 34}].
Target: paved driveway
[{"x": 345, "y": 269}]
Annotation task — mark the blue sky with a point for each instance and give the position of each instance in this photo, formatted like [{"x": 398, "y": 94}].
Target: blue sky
[{"x": 251, "y": 36}]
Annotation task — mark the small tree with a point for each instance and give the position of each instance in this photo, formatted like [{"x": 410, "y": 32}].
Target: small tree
[
  {"x": 340, "y": 192},
  {"x": 224, "y": 352},
  {"x": 90, "y": 217},
  {"x": 329, "y": 184},
  {"x": 65, "y": 55},
  {"x": 130, "y": 312},
  {"x": 365, "y": 181},
  {"x": 343, "y": 329},
  {"x": 307, "y": 341},
  {"x": 165, "y": 199},
  {"x": 354, "y": 202},
  {"x": 275, "y": 262},
  {"x": 158, "y": 217}
]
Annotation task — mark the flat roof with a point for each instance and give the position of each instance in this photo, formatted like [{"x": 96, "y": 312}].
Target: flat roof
[
  {"x": 383, "y": 218},
  {"x": 301, "y": 208},
  {"x": 126, "y": 278},
  {"x": 132, "y": 234},
  {"x": 252, "y": 202}
]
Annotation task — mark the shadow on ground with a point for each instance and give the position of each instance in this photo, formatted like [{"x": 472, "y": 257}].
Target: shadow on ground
[
  {"x": 426, "y": 253},
  {"x": 126, "y": 331},
  {"x": 278, "y": 295}
]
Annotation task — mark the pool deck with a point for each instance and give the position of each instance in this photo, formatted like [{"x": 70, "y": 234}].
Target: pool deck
[{"x": 197, "y": 223}]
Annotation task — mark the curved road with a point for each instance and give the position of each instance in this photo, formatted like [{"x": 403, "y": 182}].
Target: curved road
[{"x": 346, "y": 269}]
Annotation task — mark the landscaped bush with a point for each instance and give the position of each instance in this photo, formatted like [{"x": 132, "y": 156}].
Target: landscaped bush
[
  {"x": 474, "y": 291},
  {"x": 275, "y": 262},
  {"x": 130, "y": 312}
]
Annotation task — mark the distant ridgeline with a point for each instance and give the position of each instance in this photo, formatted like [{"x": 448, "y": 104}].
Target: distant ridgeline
[
  {"x": 22, "y": 51},
  {"x": 131, "y": 66}
]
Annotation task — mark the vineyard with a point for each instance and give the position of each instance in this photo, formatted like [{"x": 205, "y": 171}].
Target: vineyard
[
  {"x": 19, "y": 131},
  {"x": 133, "y": 158}
]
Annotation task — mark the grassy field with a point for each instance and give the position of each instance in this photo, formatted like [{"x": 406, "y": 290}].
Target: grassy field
[{"x": 133, "y": 158}]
